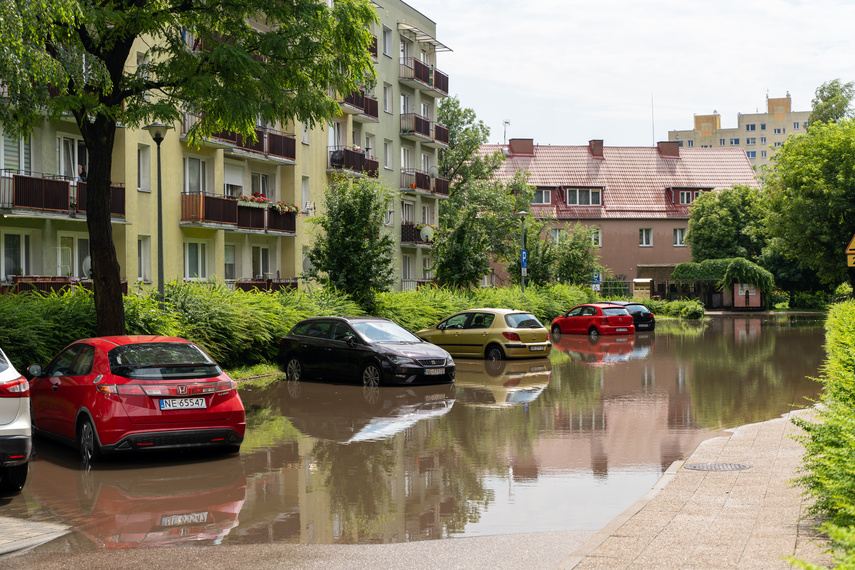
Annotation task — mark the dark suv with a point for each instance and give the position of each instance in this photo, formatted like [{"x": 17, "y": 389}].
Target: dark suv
[{"x": 642, "y": 318}]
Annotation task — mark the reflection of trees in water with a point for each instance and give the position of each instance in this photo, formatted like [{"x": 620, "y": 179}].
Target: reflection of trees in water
[{"x": 358, "y": 480}]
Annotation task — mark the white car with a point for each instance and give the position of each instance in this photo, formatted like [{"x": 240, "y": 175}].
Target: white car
[{"x": 16, "y": 442}]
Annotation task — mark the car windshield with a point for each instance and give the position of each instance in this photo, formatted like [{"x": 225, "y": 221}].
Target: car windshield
[
  {"x": 523, "y": 321},
  {"x": 383, "y": 331},
  {"x": 162, "y": 361},
  {"x": 637, "y": 309},
  {"x": 615, "y": 312}
]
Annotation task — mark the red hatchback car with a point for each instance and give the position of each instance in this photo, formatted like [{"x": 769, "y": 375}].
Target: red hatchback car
[
  {"x": 594, "y": 319},
  {"x": 126, "y": 393}
]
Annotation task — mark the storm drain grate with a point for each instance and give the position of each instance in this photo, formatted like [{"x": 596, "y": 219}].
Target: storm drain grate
[{"x": 717, "y": 467}]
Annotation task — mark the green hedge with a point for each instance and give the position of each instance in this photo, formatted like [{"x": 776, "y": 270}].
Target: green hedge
[
  {"x": 829, "y": 460},
  {"x": 243, "y": 328}
]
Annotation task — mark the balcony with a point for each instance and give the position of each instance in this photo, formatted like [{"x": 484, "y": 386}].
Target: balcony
[
  {"x": 412, "y": 234},
  {"x": 413, "y": 284},
  {"x": 271, "y": 144},
  {"x": 440, "y": 187},
  {"x": 416, "y": 127},
  {"x": 372, "y": 49},
  {"x": 364, "y": 108},
  {"x": 419, "y": 75},
  {"x": 415, "y": 181},
  {"x": 48, "y": 283},
  {"x": 352, "y": 161},
  {"x": 228, "y": 213},
  {"x": 439, "y": 138},
  {"x": 266, "y": 285},
  {"x": 51, "y": 193}
]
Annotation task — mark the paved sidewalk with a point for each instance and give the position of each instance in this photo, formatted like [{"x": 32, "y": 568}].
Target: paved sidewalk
[
  {"x": 729, "y": 518},
  {"x": 19, "y": 534}
]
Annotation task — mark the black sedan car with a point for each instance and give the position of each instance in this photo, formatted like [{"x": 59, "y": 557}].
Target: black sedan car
[
  {"x": 368, "y": 350},
  {"x": 642, "y": 317}
]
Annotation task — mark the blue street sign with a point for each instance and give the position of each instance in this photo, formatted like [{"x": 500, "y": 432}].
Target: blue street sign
[{"x": 525, "y": 258}]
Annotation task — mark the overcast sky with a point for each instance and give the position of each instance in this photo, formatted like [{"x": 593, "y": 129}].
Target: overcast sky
[{"x": 629, "y": 71}]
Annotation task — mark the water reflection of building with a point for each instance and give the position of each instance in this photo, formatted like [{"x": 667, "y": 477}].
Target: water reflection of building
[
  {"x": 358, "y": 472},
  {"x": 501, "y": 382}
]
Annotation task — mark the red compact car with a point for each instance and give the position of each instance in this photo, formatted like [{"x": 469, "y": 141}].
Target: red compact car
[
  {"x": 124, "y": 393},
  {"x": 593, "y": 319}
]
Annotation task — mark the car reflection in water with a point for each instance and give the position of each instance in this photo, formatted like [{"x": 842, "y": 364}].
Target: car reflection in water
[
  {"x": 603, "y": 351},
  {"x": 501, "y": 382},
  {"x": 128, "y": 505},
  {"x": 349, "y": 414}
]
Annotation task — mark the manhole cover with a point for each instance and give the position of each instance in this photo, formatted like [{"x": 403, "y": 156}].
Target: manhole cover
[{"x": 717, "y": 467}]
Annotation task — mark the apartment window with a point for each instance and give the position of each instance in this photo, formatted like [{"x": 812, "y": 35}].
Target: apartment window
[
  {"x": 16, "y": 154},
  {"x": 406, "y": 158},
  {"x": 751, "y": 154},
  {"x": 679, "y": 237},
  {"x": 720, "y": 142},
  {"x": 73, "y": 255},
  {"x": 734, "y": 142},
  {"x": 406, "y": 50},
  {"x": 233, "y": 175},
  {"x": 144, "y": 168},
  {"x": 261, "y": 183},
  {"x": 751, "y": 141},
  {"x": 144, "y": 258},
  {"x": 305, "y": 193},
  {"x": 370, "y": 145},
  {"x": 762, "y": 126},
  {"x": 408, "y": 211},
  {"x": 387, "y": 154},
  {"x": 195, "y": 175},
  {"x": 427, "y": 214},
  {"x": 597, "y": 237},
  {"x": 645, "y": 237},
  {"x": 687, "y": 196},
  {"x": 427, "y": 267},
  {"x": 583, "y": 196},
  {"x": 230, "y": 265},
  {"x": 260, "y": 262},
  {"x": 542, "y": 196},
  {"x": 680, "y": 144},
  {"x": 751, "y": 127},
  {"x": 795, "y": 125},
  {"x": 762, "y": 154},
  {"x": 762, "y": 140},
  {"x": 195, "y": 260},
  {"x": 387, "y": 98},
  {"x": 71, "y": 157},
  {"x": 555, "y": 234},
  {"x": 142, "y": 71},
  {"x": 16, "y": 254},
  {"x": 305, "y": 135},
  {"x": 407, "y": 267},
  {"x": 779, "y": 131},
  {"x": 406, "y": 105},
  {"x": 777, "y": 145},
  {"x": 690, "y": 143},
  {"x": 387, "y": 41}
]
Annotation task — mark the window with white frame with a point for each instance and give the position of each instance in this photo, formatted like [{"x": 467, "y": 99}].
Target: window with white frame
[
  {"x": 16, "y": 254},
  {"x": 734, "y": 142},
  {"x": 751, "y": 141},
  {"x": 795, "y": 125},
  {"x": 406, "y": 158},
  {"x": 556, "y": 235},
  {"x": 387, "y": 41},
  {"x": 144, "y": 168},
  {"x": 144, "y": 259},
  {"x": 777, "y": 145},
  {"x": 428, "y": 214},
  {"x": 305, "y": 132},
  {"x": 233, "y": 175},
  {"x": 690, "y": 143},
  {"x": 195, "y": 175},
  {"x": 689, "y": 196},
  {"x": 427, "y": 160},
  {"x": 407, "y": 267},
  {"x": 142, "y": 70},
  {"x": 229, "y": 262},
  {"x": 408, "y": 211},
  {"x": 583, "y": 196},
  {"x": 406, "y": 104},
  {"x": 679, "y": 237},
  {"x": 597, "y": 237},
  {"x": 427, "y": 112},
  {"x": 71, "y": 157},
  {"x": 387, "y": 98},
  {"x": 73, "y": 255},
  {"x": 406, "y": 49},
  {"x": 260, "y": 183},
  {"x": 387, "y": 154},
  {"x": 720, "y": 142},
  {"x": 370, "y": 146},
  {"x": 195, "y": 260},
  {"x": 762, "y": 154},
  {"x": 645, "y": 237},
  {"x": 16, "y": 154},
  {"x": 762, "y": 126},
  {"x": 779, "y": 131},
  {"x": 762, "y": 140},
  {"x": 542, "y": 196},
  {"x": 751, "y": 127},
  {"x": 427, "y": 267},
  {"x": 751, "y": 154},
  {"x": 305, "y": 193},
  {"x": 260, "y": 262}
]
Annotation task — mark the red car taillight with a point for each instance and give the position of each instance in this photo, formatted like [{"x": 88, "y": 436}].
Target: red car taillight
[
  {"x": 18, "y": 388},
  {"x": 220, "y": 387},
  {"x": 511, "y": 336}
]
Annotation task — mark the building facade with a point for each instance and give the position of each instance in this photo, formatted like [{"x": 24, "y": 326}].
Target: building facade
[
  {"x": 637, "y": 198},
  {"x": 215, "y": 223},
  {"x": 759, "y": 134}
]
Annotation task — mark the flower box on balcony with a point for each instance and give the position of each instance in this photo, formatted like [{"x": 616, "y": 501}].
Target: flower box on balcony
[{"x": 253, "y": 204}]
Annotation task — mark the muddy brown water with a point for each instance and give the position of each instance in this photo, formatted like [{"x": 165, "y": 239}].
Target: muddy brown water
[{"x": 564, "y": 443}]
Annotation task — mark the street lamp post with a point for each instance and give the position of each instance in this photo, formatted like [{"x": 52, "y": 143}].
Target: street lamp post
[
  {"x": 523, "y": 254},
  {"x": 158, "y": 133}
]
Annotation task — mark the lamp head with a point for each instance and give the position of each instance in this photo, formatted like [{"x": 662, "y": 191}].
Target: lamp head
[
  {"x": 522, "y": 214},
  {"x": 157, "y": 131}
]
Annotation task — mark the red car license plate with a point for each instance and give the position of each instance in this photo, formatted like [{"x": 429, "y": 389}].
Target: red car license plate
[
  {"x": 620, "y": 330},
  {"x": 182, "y": 404}
]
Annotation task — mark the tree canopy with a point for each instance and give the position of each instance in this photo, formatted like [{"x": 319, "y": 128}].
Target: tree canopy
[
  {"x": 811, "y": 196},
  {"x": 832, "y": 102},
  {"x": 728, "y": 223},
  {"x": 131, "y": 63},
  {"x": 353, "y": 253},
  {"x": 726, "y": 272}
]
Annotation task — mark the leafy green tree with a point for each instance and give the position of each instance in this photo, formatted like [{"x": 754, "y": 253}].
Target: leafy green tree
[
  {"x": 728, "y": 223},
  {"x": 354, "y": 254},
  {"x": 576, "y": 256},
  {"x": 70, "y": 57},
  {"x": 462, "y": 162},
  {"x": 540, "y": 263},
  {"x": 832, "y": 102},
  {"x": 811, "y": 196}
]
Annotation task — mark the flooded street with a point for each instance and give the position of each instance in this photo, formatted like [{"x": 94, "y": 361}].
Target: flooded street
[{"x": 565, "y": 443}]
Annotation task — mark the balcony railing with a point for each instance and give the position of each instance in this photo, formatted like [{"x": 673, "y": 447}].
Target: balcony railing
[
  {"x": 440, "y": 133},
  {"x": 351, "y": 160},
  {"x": 266, "y": 285},
  {"x": 372, "y": 167},
  {"x": 413, "y": 124},
  {"x": 50, "y": 192},
  {"x": 413, "y": 284},
  {"x": 269, "y": 142},
  {"x": 420, "y": 74},
  {"x": 281, "y": 222},
  {"x": 411, "y": 233},
  {"x": 362, "y": 105},
  {"x": 440, "y": 186},
  {"x": 372, "y": 49},
  {"x": 415, "y": 180},
  {"x": 210, "y": 208}
]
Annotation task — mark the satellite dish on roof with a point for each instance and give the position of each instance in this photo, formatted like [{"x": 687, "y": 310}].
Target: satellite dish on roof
[
  {"x": 426, "y": 233},
  {"x": 433, "y": 172}
]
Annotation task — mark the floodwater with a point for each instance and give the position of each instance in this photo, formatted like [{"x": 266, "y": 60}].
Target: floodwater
[{"x": 565, "y": 443}]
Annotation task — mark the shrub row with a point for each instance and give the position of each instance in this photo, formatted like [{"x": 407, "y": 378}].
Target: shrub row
[
  {"x": 241, "y": 328},
  {"x": 829, "y": 460}
]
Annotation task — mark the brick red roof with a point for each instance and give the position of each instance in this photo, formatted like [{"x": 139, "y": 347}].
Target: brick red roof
[{"x": 636, "y": 182}]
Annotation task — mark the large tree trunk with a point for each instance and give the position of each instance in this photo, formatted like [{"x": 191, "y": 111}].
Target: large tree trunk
[{"x": 109, "y": 306}]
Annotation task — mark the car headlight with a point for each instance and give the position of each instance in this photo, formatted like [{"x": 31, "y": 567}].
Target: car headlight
[{"x": 399, "y": 360}]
